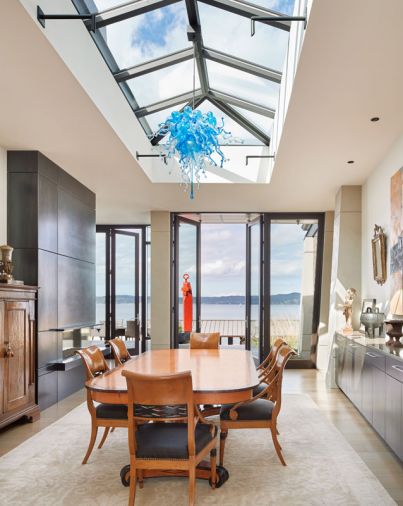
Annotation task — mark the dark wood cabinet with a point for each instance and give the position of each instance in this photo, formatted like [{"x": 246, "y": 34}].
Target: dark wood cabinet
[{"x": 17, "y": 353}]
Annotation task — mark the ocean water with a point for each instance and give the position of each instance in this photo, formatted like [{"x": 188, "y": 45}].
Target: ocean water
[{"x": 213, "y": 312}]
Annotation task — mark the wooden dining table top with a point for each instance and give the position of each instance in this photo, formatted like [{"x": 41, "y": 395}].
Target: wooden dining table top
[{"x": 218, "y": 376}]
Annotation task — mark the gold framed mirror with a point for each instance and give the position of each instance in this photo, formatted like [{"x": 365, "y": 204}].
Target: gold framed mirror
[{"x": 379, "y": 255}]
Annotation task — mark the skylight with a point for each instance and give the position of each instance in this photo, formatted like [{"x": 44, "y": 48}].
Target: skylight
[{"x": 145, "y": 44}]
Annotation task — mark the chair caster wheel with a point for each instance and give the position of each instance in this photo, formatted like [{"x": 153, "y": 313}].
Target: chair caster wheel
[
  {"x": 125, "y": 476},
  {"x": 222, "y": 476}
]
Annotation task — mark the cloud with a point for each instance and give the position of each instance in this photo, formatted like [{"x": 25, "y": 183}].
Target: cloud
[{"x": 223, "y": 268}]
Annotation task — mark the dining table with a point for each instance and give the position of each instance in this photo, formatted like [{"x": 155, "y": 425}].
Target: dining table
[{"x": 220, "y": 376}]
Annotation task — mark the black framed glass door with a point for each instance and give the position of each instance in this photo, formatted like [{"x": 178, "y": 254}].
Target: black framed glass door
[
  {"x": 122, "y": 284},
  {"x": 185, "y": 262},
  {"x": 125, "y": 284},
  {"x": 254, "y": 288}
]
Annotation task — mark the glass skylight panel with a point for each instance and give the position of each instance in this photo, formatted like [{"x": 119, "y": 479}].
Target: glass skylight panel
[
  {"x": 242, "y": 85},
  {"x": 230, "y": 33},
  {"x": 283, "y": 6},
  {"x": 148, "y": 36},
  {"x": 158, "y": 117},
  {"x": 264, "y": 123},
  {"x": 103, "y": 5},
  {"x": 164, "y": 83},
  {"x": 238, "y": 134}
]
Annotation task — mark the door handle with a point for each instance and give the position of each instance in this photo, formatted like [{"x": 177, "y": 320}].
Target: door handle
[
  {"x": 9, "y": 352},
  {"x": 372, "y": 355},
  {"x": 354, "y": 345},
  {"x": 398, "y": 368}
]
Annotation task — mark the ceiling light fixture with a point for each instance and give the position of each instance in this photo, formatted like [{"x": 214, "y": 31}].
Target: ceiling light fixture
[
  {"x": 374, "y": 119},
  {"x": 193, "y": 140},
  {"x": 350, "y": 161}
]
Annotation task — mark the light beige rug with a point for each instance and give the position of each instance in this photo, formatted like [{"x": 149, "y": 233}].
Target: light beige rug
[{"x": 322, "y": 468}]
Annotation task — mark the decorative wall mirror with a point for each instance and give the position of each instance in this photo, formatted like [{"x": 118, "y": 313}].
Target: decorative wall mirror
[{"x": 379, "y": 255}]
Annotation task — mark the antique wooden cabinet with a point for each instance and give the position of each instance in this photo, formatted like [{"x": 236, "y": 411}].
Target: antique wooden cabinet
[{"x": 17, "y": 353}]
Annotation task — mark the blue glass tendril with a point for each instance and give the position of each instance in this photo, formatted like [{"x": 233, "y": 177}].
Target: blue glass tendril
[{"x": 193, "y": 137}]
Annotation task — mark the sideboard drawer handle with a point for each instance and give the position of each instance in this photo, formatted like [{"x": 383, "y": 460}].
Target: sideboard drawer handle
[
  {"x": 372, "y": 355},
  {"x": 354, "y": 345},
  {"x": 398, "y": 368}
]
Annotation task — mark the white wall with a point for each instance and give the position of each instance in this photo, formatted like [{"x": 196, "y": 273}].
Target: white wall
[
  {"x": 3, "y": 196},
  {"x": 376, "y": 210}
]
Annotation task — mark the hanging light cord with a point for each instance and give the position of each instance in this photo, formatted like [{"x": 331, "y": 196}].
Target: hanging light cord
[{"x": 194, "y": 75}]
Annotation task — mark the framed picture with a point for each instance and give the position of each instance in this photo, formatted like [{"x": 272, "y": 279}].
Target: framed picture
[{"x": 379, "y": 255}]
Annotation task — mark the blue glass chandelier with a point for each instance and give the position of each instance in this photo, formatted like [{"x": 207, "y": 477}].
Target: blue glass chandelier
[{"x": 193, "y": 139}]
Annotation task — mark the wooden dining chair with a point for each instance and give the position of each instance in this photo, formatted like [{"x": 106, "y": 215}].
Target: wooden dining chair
[
  {"x": 267, "y": 365},
  {"x": 174, "y": 441},
  {"x": 119, "y": 351},
  {"x": 271, "y": 355},
  {"x": 103, "y": 415},
  {"x": 200, "y": 341},
  {"x": 261, "y": 411}
]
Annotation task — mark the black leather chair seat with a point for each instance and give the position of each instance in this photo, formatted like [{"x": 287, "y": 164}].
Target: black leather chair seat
[
  {"x": 112, "y": 411},
  {"x": 169, "y": 440},
  {"x": 257, "y": 410},
  {"x": 259, "y": 389}
]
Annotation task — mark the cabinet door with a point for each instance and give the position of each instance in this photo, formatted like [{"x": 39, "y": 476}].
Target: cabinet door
[
  {"x": 367, "y": 391},
  {"x": 393, "y": 415},
  {"x": 2, "y": 357},
  {"x": 19, "y": 355},
  {"x": 356, "y": 375},
  {"x": 378, "y": 400}
]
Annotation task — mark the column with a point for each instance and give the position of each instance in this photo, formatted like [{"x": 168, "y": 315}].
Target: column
[
  {"x": 160, "y": 279},
  {"x": 346, "y": 264}
]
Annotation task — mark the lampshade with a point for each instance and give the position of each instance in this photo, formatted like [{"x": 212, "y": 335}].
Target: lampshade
[{"x": 396, "y": 304}]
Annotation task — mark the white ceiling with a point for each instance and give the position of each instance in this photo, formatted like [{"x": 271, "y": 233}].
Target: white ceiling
[{"x": 350, "y": 70}]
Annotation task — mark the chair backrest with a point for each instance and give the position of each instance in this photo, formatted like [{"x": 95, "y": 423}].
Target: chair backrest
[
  {"x": 94, "y": 361},
  {"x": 204, "y": 341},
  {"x": 269, "y": 361},
  {"x": 276, "y": 381},
  {"x": 119, "y": 351},
  {"x": 146, "y": 393}
]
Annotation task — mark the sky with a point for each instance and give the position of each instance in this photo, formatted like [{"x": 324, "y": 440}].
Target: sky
[
  {"x": 163, "y": 31},
  {"x": 223, "y": 259}
]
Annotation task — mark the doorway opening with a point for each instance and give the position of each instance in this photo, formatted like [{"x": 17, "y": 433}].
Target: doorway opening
[
  {"x": 255, "y": 277},
  {"x": 122, "y": 284}
]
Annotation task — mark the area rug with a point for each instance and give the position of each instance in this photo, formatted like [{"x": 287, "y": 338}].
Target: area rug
[{"x": 322, "y": 468}]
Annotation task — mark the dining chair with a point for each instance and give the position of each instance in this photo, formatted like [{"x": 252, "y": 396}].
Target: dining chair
[
  {"x": 267, "y": 365},
  {"x": 120, "y": 352},
  {"x": 102, "y": 415},
  {"x": 200, "y": 341},
  {"x": 176, "y": 440},
  {"x": 261, "y": 411}
]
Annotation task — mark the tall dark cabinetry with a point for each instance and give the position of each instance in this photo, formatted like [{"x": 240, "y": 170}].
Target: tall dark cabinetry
[{"x": 51, "y": 225}]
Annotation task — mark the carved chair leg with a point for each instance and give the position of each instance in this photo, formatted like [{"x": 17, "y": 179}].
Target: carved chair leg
[
  {"x": 133, "y": 482},
  {"x": 213, "y": 466},
  {"x": 223, "y": 437},
  {"x": 105, "y": 435},
  {"x": 277, "y": 446},
  {"x": 94, "y": 432},
  {"x": 192, "y": 484}
]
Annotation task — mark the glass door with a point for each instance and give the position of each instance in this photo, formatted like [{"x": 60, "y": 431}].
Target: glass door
[
  {"x": 125, "y": 289},
  {"x": 294, "y": 280},
  {"x": 254, "y": 287},
  {"x": 186, "y": 268}
]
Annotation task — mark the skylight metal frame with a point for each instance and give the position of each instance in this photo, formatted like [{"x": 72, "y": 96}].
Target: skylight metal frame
[{"x": 224, "y": 101}]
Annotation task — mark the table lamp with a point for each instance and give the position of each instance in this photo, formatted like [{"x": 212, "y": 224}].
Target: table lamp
[{"x": 395, "y": 321}]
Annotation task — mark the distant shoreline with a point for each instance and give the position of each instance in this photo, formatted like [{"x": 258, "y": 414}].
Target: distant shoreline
[{"x": 293, "y": 298}]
